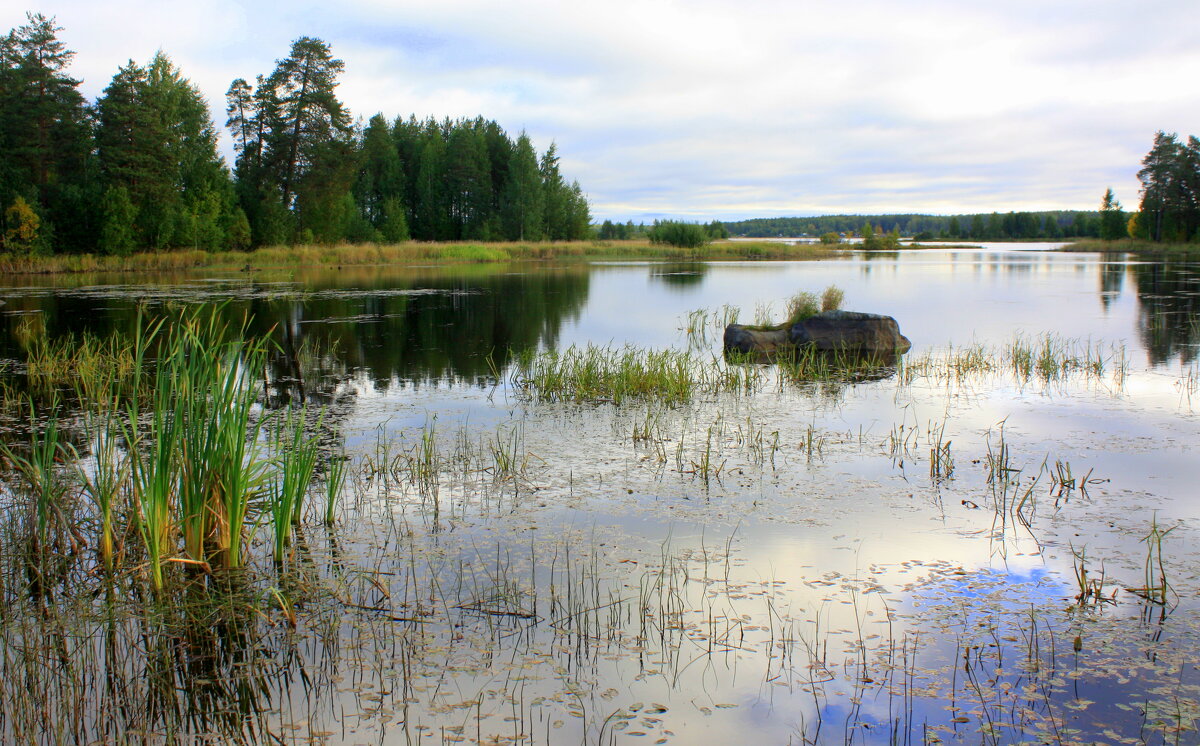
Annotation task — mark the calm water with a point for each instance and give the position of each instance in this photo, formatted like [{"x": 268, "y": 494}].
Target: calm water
[{"x": 823, "y": 586}]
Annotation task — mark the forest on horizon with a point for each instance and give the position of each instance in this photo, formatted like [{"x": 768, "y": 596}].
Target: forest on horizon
[{"x": 139, "y": 167}]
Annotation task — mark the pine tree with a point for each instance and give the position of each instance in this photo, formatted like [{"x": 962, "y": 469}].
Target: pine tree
[
  {"x": 117, "y": 233},
  {"x": 156, "y": 139},
  {"x": 1112, "y": 219},
  {"x": 524, "y": 201},
  {"x": 380, "y": 174},
  {"x": 45, "y": 133},
  {"x": 302, "y": 113},
  {"x": 468, "y": 183}
]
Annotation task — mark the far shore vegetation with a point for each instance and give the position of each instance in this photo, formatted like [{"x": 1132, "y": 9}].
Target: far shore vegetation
[{"x": 411, "y": 252}]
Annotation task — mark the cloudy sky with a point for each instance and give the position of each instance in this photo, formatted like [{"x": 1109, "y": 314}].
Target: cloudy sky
[{"x": 719, "y": 109}]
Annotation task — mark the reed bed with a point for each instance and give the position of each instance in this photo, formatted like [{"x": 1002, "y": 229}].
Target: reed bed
[
  {"x": 178, "y": 471},
  {"x": 611, "y": 374}
]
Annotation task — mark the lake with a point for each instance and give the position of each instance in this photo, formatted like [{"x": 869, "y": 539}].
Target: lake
[{"x": 994, "y": 541}]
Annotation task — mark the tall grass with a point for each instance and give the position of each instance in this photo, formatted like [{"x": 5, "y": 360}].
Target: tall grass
[
  {"x": 43, "y": 487},
  {"x": 366, "y": 254},
  {"x": 607, "y": 374},
  {"x": 295, "y": 465},
  {"x": 104, "y": 482}
]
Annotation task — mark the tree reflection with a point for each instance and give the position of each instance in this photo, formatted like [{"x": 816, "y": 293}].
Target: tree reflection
[{"x": 1169, "y": 309}]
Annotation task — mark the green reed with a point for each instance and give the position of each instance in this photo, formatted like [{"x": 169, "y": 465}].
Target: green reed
[
  {"x": 43, "y": 484},
  {"x": 105, "y": 481},
  {"x": 607, "y": 374},
  {"x": 335, "y": 479},
  {"x": 295, "y": 466},
  {"x": 214, "y": 373}
]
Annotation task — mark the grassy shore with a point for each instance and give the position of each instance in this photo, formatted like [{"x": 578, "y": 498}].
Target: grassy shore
[
  {"x": 411, "y": 252},
  {"x": 1133, "y": 246}
]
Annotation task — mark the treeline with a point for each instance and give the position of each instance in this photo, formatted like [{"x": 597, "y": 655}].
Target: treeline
[
  {"x": 139, "y": 168},
  {"x": 1051, "y": 224},
  {"x": 1170, "y": 177}
]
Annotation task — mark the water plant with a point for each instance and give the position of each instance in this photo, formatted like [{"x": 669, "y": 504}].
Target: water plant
[
  {"x": 1155, "y": 589},
  {"x": 295, "y": 464},
  {"x": 335, "y": 480},
  {"x": 941, "y": 462},
  {"x": 42, "y": 485},
  {"x": 104, "y": 480},
  {"x": 1091, "y": 587},
  {"x": 213, "y": 374},
  {"x": 607, "y": 374}
]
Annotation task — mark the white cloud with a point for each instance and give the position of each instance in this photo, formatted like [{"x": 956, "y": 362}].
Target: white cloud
[{"x": 730, "y": 109}]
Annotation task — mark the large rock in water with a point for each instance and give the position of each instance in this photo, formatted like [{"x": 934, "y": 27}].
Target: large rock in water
[
  {"x": 850, "y": 331},
  {"x": 862, "y": 334},
  {"x": 749, "y": 339}
]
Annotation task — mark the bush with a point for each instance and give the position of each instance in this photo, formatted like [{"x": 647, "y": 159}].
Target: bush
[{"x": 682, "y": 235}]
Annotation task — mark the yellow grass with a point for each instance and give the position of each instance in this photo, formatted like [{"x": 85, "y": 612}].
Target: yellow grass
[{"x": 412, "y": 252}]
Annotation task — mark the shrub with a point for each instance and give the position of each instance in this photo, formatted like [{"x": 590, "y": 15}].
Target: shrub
[{"x": 675, "y": 233}]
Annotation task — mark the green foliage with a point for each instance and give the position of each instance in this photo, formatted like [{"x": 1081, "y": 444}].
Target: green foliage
[
  {"x": 301, "y": 169},
  {"x": 716, "y": 230},
  {"x": 21, "y": 226},
  {"x": 117, "y": 230},
  {"x": 394, "y": 227},
  {"x": 45, "y": 134},
  {"x": 680, "y": 234},
  {"x": 1112, "y": 219},
  {"x": 878, "y": 240},
  {"x": 978, "y": 227},
  {"x": 156, "y": 140},
  {"x": 831, "y": 238},
  {"x": 1170, "y": 177}
]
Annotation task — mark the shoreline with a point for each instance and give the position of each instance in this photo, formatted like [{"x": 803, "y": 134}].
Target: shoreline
[{"x": 361, "y": 255}]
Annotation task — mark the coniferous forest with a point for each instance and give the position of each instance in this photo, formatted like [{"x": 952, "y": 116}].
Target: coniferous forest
[{"x": 139, "y": 168}]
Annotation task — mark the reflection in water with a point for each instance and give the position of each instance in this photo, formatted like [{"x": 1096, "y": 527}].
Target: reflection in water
[
  {"x": 1112, "y": 282},
  {"x": 1169, "y": 311},
  {"x": 396, "y": 327},
  {"x": 679, "y": 274}
]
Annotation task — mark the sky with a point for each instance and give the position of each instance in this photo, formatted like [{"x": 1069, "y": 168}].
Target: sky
[{"x": 709, "y": 109}]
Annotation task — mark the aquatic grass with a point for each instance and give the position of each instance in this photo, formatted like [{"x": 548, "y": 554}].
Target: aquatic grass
[
  {"x": 295, "y": 465},
  {"x": 1045, "y": 359},
  {"x": 801, "y": 306},
  {"x": 43, "y": 486},
  {"x": 155, "y": 480},
  {"x": 1090, "y": 587},
  {"x": 832, "y": 298},
  {"x": 807, "y": 364},
  {"x": 607, "y": 374},
  {"x": 941, "y": 461},
  {"x": 90, "y": 365},
  {"x": 335, "y": 479},
  {"x": 213, "y": 371},
  {"x": 1155, "y": 589},
  {"x": 106, "y": 480}
]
